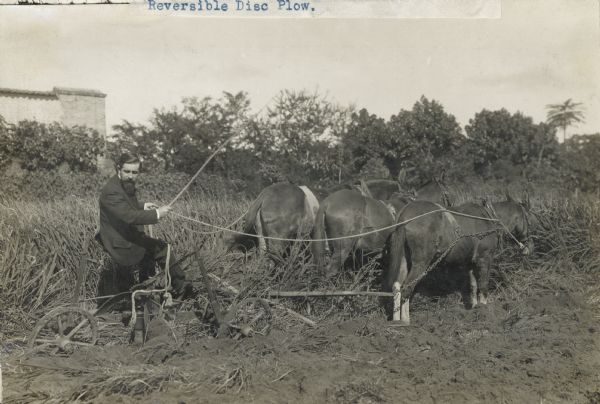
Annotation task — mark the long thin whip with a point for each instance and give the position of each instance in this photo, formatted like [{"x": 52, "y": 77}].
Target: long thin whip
[
  {"x": 201, "y": 168},
  {"x": 210, "y": 158}
]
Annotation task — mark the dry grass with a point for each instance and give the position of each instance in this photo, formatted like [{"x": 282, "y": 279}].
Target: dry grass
[{"x": 130, "y": 381}]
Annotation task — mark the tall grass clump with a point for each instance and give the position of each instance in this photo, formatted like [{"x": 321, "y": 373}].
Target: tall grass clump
[
  {"x": 568, "y": 230},
  {"x": 566, "y": 256},
  {"x": 43, "y": 243},
  {"x": 40, "y": 246}
]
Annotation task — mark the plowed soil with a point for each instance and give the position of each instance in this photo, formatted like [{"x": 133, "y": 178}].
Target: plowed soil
[{"x": 542, "y": 348}]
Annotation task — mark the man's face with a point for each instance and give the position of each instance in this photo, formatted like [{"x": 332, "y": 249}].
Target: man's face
[{"x": 128, "y": 173}]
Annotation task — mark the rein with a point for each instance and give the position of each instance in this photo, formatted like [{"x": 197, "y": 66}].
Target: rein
[{"x": 337, "y": 238}]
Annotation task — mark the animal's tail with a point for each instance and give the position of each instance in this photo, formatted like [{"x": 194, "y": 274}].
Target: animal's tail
[
  {"x": 395, "y": 256},
  {"x": 250, "y": 216},
  {"x": 319, "y": 232},
  {"x": 311, "y": 207},
  {"x": 245, "y": 241}
]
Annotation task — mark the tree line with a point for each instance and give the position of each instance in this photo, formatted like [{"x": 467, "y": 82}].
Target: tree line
[{"x": 305, "y": 138}]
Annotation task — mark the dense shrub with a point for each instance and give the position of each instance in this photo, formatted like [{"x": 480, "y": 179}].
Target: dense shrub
[{"x": 38, "y": 146}]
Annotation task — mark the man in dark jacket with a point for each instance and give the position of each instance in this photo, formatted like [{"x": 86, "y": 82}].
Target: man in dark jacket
[{"x": 122, "y": 220}]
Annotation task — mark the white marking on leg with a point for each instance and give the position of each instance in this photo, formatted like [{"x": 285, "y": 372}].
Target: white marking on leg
[
  {"x": 396, "y": 288},
  {"x": 483, "y": 299},
  {"x": 262, "y": 244},
  {"x": 473, "y": 290},
  {"x": 402, "y": 308},
  {"x": 405, "y": 312}
]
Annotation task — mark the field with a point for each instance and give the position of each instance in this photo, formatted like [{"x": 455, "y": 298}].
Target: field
[{"x": 537, "y": 341}]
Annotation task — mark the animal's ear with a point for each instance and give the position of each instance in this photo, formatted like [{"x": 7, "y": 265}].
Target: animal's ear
[
  {"x": 364, "y": 189},
  {"x": 391, "y": 209},
  {"x": 442, "y": 176},
  {"x": 487, "y": 203},
  {"x": 402, "y": 176}
]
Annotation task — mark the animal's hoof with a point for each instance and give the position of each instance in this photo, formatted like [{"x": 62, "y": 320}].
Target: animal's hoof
[{"x": 246, "y": 330}]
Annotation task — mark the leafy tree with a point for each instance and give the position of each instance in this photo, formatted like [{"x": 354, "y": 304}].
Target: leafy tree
[
  {"x": 299, "y": 138},
  {"x": 232, "y": 120},
  {"x": 582, "y": 162},
  {"x": 422, "y": 141},
  {"x": 170, "y": 132},
  {"x": 374, "y": 168},
  {"x": 564, "y": 115},
  {"x": 182, "y": 137},
  {"x": 509, "y": 145},
  {"x": 339, "y": 125},
  {"x": 134, "y": 139},
  {"x": 366, "y": 139}
]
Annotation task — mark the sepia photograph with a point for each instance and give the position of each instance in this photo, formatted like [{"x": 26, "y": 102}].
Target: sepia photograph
[{"x": 300, "y": 201}]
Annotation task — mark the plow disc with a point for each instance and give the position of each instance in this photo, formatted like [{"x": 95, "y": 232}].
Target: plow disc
[{"x": 250, "y": 316}]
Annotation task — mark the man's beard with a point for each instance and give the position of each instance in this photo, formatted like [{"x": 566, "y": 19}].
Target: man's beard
[{"x": 129, "y": 187}]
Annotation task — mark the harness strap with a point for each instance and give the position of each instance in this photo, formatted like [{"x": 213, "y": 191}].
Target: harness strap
[{"x": 492, "y": 211}]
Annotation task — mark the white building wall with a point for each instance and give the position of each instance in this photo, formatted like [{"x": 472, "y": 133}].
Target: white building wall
[{"x": 15, "y": 108}]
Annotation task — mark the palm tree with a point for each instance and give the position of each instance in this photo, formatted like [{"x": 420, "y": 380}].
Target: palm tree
[{"x": 564, "y": 115}]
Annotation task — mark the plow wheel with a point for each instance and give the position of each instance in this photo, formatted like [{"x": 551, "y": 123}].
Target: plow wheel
[
  {"x": 63, "y": 329},
  {"x": 250, "y": 316}
]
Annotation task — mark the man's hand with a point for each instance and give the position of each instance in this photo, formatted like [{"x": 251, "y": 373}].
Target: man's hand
[
  {"x": 150, "y": 205},
  {"x": 163, "y": 211}
]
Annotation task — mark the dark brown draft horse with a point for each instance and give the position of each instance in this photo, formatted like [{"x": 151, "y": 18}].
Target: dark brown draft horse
[
  {"x": 346, "y": 213},
  {"x": 439, "y": 238},
  {"x": 281, "y": 210},
  {"x": 515, "y": 218}
]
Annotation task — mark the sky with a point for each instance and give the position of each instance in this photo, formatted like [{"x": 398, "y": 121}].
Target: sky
[{"x": 539, "y": 52}]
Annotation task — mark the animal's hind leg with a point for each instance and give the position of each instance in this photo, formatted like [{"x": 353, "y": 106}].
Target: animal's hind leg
[
  {"x": 473, "y": 287},
  {"x": 262, "y": 244},
  {"x": 483, "y": 269},
  {"x": 341, "y": 250},
  {"x": 416, "y": 272},
  {"x": 401, "y": 306},
  {"x": 405, "y": 311}
]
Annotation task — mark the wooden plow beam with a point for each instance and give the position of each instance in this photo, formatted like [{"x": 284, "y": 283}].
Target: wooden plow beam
[{"x": 328, "y": 293}]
